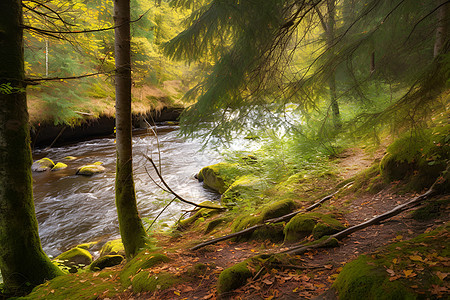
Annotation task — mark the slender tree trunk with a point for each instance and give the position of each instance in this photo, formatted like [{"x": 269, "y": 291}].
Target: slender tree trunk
[
  {"x": 131, "y": 228},
  {"x": 442, "y": 26},
  {"x": 331, "y": 9},
  {"x": 23, "y": 263}
]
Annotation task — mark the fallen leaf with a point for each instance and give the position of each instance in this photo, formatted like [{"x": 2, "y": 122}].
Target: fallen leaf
[
  {"x": 178, "y": 293},
  {"x": 394, "y": 278},
  {"x": 395, "y": 260},
  {"x": 415, "y": 258},
  {"x": 267, "y": 281},
  {"x": 329, "y": 267},
  {"x": 391, "y": 272},
  {"x": 408, "y": 273},
  {"x": 441, "y": 275}
]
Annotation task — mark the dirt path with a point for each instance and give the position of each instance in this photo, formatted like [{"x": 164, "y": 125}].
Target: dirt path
[{"x": 317, "y": 270}]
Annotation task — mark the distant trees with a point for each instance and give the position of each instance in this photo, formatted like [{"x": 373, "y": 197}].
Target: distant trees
[
  {"x": 23, "y": 263},
  {"x": 363, "y": 55},
  {"x": 131, "y": 228}
]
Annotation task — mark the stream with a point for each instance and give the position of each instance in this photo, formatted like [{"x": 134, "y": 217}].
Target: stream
[{"x": 73, "y": 209}]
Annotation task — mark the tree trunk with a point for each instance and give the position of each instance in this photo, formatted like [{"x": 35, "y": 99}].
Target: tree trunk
[
  {"x": 131, "y": 228},
  {"x": 442, "y": 26},
  {"x": 331, "y": 9},
  {"x": 23, "y": 263}
]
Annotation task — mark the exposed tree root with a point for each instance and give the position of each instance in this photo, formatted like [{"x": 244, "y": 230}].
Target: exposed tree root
[
  {"x": 435, "y": 189},
  {"x": 270, "y": 221}
]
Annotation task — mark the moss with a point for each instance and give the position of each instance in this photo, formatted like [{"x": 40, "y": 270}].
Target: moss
[
  {"x": 87, "y": 246},
  {"x": 418, "y": 158},
  {"x": 220, "y": 176},
  {"x": 245, "y": 187},
  {"x": 197, "y": 270},
  {"x": 271, "y": 232},
  {"x": 42, "y": 165},
  {"x": 59, "y": 166},
  {"x": 244, "y": 222},
  {"x": 77, "y": 286},
  {"x": 144, "y": 260},
  {"x": 106, "y": 261},
  {"x": 146, "y": 282},
  {"x": 316, "y": 224},
  {"x": 277, "y": 209},
  {"x": 359, "y": 279},
  {"x": 234, "y": 277},
  {"x": 69, "y": 158},
  {"x": 201, "y": 213},
  {"x": 216, "y": 223},
  {"x": 89, "y": 170},
  {"x": 299, "y": 227},
  {"x": 113, "y": 247},
  {"x": 75, "y": 256},
  {"x": 367, "y": 276}
]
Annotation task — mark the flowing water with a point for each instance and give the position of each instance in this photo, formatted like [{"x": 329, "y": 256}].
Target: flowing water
[{"x": 73, "y": 209}]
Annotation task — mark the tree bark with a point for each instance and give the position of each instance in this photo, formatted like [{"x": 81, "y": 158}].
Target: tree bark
[
  {"x": 331, "y": 8},
  {"x": 23, "y": 263},
  {"x": 131, "y": 228},
  {"x": 442, "y": 26}
]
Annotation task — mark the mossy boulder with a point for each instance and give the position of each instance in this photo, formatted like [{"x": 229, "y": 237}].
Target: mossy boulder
[
  {"x": 237, "y": 275},
  {"x": 317, "y": 224},
  {"x": 200, "y": 214},
  {"x": 75, "y": 257},
  {"x": 220, "y": 176},
  {"x": 42, "y": 165},
  {"x": 113, "y": 247},
  {"x": 144, "y": 260},
  {"x": 268, "y": 211},
  {"x": 216, "y": 223},
  {"x": 89, "y": 170},
  {"x": 418, "y": 158},
  {"x": 403, "y": 270},
  {"x": 87, "y": 246},
  {"x": 146, "y": 282},
  {"x": 245, "y": 187},
  {"x": 59, "y": 166},
  {"x": 106, "y": 261}
]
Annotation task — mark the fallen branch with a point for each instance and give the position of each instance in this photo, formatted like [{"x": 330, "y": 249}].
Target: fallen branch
[
  {"x": 175, "y": 194},
  {"x": 432, "y": 191},
  {"x": 270, "y": 221}
]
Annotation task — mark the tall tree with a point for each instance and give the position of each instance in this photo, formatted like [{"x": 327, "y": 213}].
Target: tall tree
[
  {"x": 23, "y": 263},
  {"x": 131, "y": 228}
]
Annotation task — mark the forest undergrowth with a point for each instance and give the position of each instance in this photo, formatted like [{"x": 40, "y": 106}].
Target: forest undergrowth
[{"x": 403, "y": 256}]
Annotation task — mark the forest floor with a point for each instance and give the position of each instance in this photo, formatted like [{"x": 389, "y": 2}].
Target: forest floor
[
  {"x": 319, "y": 268},
  {"x": 313, "y": 274}
]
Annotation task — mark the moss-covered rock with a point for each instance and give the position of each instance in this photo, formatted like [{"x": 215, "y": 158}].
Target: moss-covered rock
[
  {"x": 245, "y": 187},
  {"x": 106, "y": 261},
  {"x": 42, "y": 165},
  {"x": 220, "y": 176},
  {"x": 234, "y": 277},
  {"x": 403, "y": 270},
  {"x": 317, "y": 224},
  {"x": 113, "y": 247},
  {"x": 277, "y": 209},
  {"x": 146, "y": 282},
  {"x": 89, "y": 170},
  {"x": 202, "y": 213},
  {"x": 237, "y": 275},
  {"x": 417, "y": 158},
  {"x": 144, "y": 260},
  {"x": 216, "y": 223},
  {"x": 75, "y": 257},
  {"x": 69, "y": 158},
  {"x": 87, "y": 246},
  {"x": 59, "y": 166}
]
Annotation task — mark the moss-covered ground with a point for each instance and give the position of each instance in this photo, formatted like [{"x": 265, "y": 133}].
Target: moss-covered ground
[{"x": 405, "y": 257}]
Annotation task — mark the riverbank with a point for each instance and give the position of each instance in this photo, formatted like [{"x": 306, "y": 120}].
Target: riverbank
[
  {"x": 401, "y": 256},
  {"x": 44, "y": 134}
]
